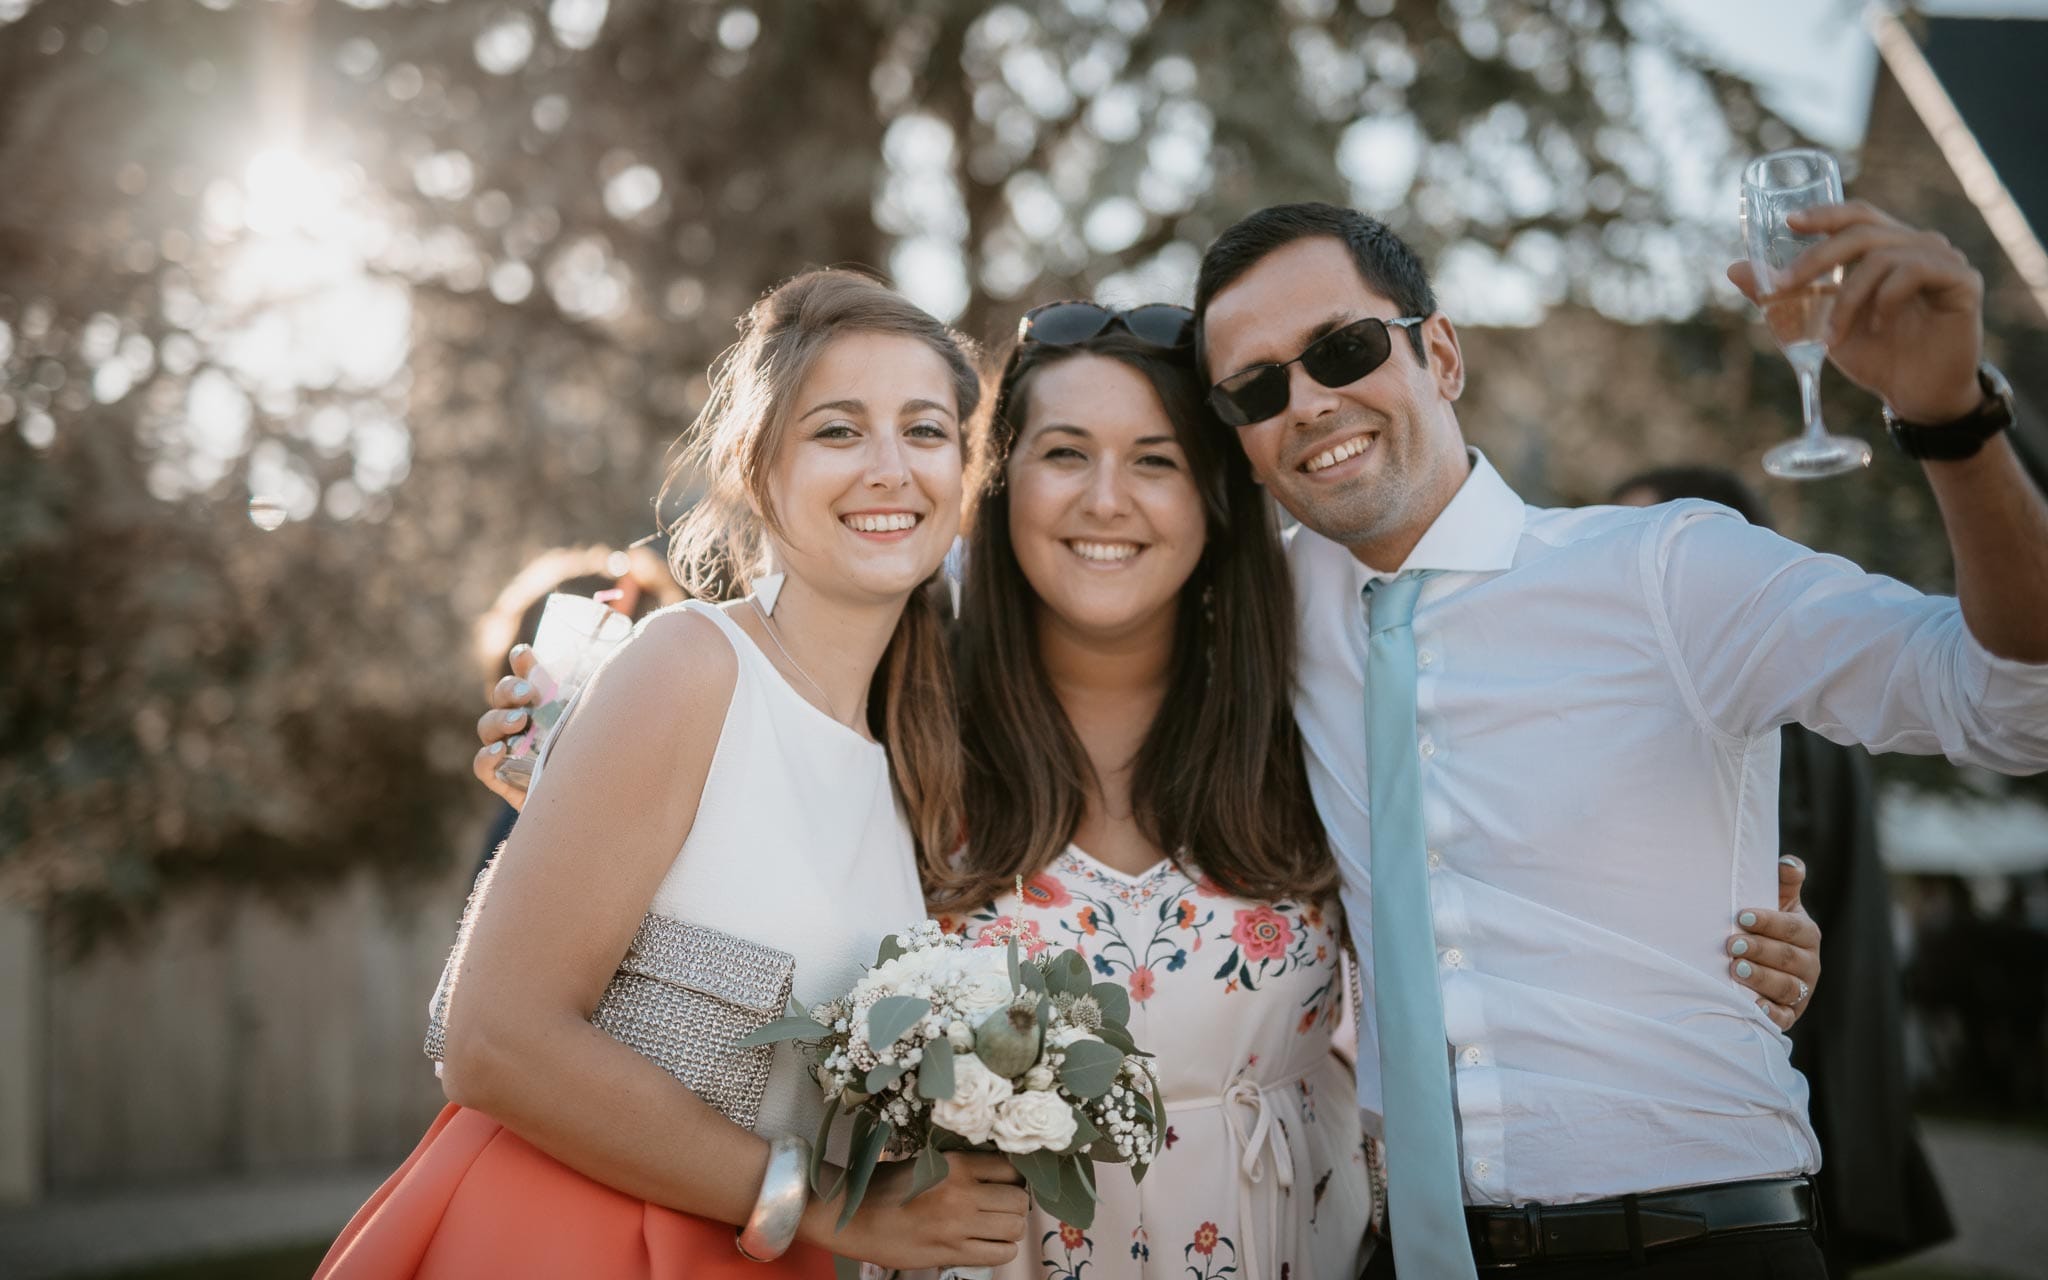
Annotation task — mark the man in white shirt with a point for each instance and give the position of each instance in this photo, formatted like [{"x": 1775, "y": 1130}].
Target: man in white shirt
[{"x": 1597, "y": 699}]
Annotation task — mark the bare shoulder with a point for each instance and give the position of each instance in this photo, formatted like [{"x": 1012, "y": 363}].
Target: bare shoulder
[
  {"x": 684, "y": 651},
  {"x": 670, "y": 681}
]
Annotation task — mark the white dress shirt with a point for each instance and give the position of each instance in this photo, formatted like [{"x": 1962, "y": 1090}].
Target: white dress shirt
[{"x": 1599, "y": 692}]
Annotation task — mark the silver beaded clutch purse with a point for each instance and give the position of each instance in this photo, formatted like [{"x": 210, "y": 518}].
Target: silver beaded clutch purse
[{"x": 683, "y": 994}]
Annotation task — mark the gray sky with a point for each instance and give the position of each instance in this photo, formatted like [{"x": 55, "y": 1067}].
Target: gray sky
[{"x": 1813, "y": 57}]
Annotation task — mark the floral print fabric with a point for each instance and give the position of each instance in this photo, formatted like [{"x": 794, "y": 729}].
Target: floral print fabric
[{"x": 1264, "y": 1174}]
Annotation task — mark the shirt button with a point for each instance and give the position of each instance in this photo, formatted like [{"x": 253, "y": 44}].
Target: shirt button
[
  {"x": 1436, "y": 859},
  {"x": 1481, "y": 1168},
  {"x": 1428, "y": 748},
  {"x": 1472, "y": 1055},
  {"x": 1454, "y": 957},
  {"x": 1424, "y": 658}
]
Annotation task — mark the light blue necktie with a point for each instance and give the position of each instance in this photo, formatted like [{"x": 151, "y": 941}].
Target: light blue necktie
[{"x": 1425, "y": 1193}]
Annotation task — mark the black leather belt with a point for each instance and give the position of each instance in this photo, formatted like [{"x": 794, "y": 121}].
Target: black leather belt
[{"x": 1635, "y": 1224}]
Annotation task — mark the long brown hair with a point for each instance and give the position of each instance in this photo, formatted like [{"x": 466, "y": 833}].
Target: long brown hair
[
  {"x": 720, "y": 545},
  {"x": 1220, "y": 777}
]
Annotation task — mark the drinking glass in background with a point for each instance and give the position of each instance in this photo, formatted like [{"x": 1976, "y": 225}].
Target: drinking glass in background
[
  {"x": 1775, "y": 186},
  {"x": 574, "y": 635}
]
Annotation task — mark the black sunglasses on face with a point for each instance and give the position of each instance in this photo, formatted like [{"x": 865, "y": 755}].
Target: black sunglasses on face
[
  {"x": 1062, "y": 324},
  {"x": 1336, "y": 359}
]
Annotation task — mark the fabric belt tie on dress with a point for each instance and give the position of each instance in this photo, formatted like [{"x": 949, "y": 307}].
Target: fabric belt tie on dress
[{"x": 1266, "y": 1140}]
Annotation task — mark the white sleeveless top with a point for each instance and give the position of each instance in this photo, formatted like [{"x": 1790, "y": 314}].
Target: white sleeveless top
[{"x": 799, "y": 844}]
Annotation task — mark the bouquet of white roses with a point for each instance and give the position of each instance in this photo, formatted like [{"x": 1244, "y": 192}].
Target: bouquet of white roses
[{"x": 944, "y": 1047}]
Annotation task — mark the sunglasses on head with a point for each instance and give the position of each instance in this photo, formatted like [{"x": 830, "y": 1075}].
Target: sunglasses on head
[
  {"x": 1336, "y": 359},
  {"x": 1062, "y": 324}
]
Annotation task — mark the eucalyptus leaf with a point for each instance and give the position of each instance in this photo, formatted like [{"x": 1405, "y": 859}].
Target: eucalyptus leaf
[
  {"x": 1085, "y": 1132},
  {"x": 929, "y": 1173},
  {"x": 891, "y": 1016},
  {"x": 1041, "y": 1170},
  {"x": 884, "y": 1076},
  {"x": 793, "y": 1027},
  {"x": 891, "y": 947},
  {"x": 1034, "y": 978},
  {"x": 1111, "y": 1033},
  {"x": 817, "y": 1172},
  {"x": 1090, "y": 1068},
  {"x": 863, "y": 1121},
  {"x": 1071, "y": 1200},
  {"x": 1068, "y": 973},
  {"x": 935, "y": 1072},
  {"x": 860, "y": 1164},
  {"x": 1016, "y": 978},
  {"x": 1103, "y": 1151},
  {"x": 1115, "y": 1002}
]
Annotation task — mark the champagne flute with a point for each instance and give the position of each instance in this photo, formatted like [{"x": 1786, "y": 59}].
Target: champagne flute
[{"x": 1773, "y": 187}]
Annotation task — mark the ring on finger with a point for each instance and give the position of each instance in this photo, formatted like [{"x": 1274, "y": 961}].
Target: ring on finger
[{"x": 1804, "y": 991}]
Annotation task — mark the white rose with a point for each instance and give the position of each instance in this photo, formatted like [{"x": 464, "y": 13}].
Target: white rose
[
  {"x": 1037, "y": 1120},
  {"x": 977, "y": 1094},
  {"x": 982, "y": 987}
]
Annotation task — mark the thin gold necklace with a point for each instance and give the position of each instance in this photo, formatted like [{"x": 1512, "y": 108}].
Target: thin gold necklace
[{"x": 769, "y": 625}]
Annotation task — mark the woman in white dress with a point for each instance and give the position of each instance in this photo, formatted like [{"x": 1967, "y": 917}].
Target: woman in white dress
[{"x": 768, "y": 768}]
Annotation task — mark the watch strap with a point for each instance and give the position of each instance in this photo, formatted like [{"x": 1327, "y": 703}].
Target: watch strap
[{"x": 1963, "y": 437}]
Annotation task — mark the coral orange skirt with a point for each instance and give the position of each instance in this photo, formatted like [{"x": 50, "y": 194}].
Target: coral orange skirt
[{"x": 476, "y": 1200}]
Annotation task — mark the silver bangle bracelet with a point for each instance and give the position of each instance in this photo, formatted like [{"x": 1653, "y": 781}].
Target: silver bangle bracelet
[{"x": 779, "y": 1206}]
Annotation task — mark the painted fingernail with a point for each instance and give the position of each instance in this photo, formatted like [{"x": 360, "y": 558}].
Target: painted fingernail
[
  {"x": 1743, "y": 968},
  {"x": 1747, "y": 919},
  {"x": 521, "y": 690},
  {"x": 1740, "y": 947},
  {"x": 518, "y": 649},
  {"x": 1789, "y": 861},
  {"x": 514, "y": 716},
  {"x": 495, "y": 749}
]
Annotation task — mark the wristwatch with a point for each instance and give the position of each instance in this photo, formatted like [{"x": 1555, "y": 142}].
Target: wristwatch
[{"x": 1963, "y": 437}]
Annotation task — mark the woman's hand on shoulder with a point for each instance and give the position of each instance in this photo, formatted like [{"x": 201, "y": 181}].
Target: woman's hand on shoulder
[
  {"x": 639, "y": 740},
  {"x": 512, "y": 700},
  {"x": 975, "y": 1216},
  {"x": 1777, "y": 953}
]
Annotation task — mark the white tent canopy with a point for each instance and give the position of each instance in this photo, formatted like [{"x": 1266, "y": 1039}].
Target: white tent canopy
[{"x": 1971, "y": 836}]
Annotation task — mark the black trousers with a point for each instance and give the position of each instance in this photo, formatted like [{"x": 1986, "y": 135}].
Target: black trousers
[{"x": 1792, "y": 1254}]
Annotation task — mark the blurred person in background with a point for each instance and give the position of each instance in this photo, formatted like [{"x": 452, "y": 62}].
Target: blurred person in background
[
  {"x": 1879, "y": 1196},
  {"x": 772, "y": 768},
  {"x": 635, "y": 582}
]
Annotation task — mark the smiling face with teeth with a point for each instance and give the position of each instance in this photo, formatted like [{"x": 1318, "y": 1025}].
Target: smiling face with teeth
[
  {"x": 1104, "y": 514},
  {"x": 866, "y": 483},
  {"x": 1370, "y": 464}
]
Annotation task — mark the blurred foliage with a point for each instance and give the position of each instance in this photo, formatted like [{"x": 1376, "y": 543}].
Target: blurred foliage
[{"x": 318, "y": 318}]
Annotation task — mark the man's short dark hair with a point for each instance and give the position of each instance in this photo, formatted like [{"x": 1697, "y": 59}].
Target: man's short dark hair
[{"x": 1386, "y": 262}]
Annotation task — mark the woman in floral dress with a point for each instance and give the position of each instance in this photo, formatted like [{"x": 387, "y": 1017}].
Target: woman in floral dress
[
  {"x": 1122, "y": 564},
  {"x": 1265, "y": 1168}
]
